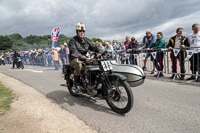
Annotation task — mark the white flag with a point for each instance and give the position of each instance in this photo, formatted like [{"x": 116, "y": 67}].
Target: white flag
[
  {"x": 144, "y": 55},
  {"x": 127, "y": 55},
  {"x": 135, "y": 55},
  {"x": 176, "y": 51},
  {"x": 153, "y": 54},
  {"x": 189, "y": 53}
]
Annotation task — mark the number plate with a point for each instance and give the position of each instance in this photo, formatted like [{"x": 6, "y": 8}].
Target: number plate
[{"x": 106, "y": 65}]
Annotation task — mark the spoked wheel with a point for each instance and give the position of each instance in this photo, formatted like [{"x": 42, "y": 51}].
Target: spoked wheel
[
  {"x": 22, "y": 65},
  {"x": 120, "y": 98},
  {"x": 70, "y": 84}
]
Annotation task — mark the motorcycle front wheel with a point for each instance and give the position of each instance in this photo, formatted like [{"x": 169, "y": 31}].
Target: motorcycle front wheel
[{"x": 120, "y": 98}]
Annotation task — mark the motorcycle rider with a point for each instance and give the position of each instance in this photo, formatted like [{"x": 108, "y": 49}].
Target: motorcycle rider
[
  {"x": 15, "y": 56},
  {"x": 78, "y": 47}
]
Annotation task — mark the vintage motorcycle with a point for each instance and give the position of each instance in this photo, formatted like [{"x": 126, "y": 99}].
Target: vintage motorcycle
[
  {"x": 97, "y": 79},
  {"x": 19, "y": 63}
]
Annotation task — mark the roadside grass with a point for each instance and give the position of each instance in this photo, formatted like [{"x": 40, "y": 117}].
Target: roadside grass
[{"x": 6, "y": 97}]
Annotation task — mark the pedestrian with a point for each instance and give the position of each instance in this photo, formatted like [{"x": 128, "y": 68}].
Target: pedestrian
[{"x": 194, "y": 41}]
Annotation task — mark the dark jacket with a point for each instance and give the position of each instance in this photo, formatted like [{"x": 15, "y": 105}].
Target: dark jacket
[
  {"x": 79, "y": 47},
  {"x": 15, "y": 56},
  {"x": 184, "y": 41},
  {"x": 133, "y": 47},
  {"x": 62, "y": 52}
]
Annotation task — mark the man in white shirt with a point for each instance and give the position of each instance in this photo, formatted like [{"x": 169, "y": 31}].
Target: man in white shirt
[{"x": 194, "y": 41}]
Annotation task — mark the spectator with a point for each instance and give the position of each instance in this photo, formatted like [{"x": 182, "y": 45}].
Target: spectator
[
  {"x": 147, "y": 44},
  {"x": 115, "y": 46},
  {"x": 8, "y": 58},
  {"x": 101, "y": 46},
  {"x": 121, "y": 50},
  {"x": 108, "y": 48},
  {"x": 56, "y": 58},
  {"x": 194, "y": 41},
  {"x": 160, "y": 43},
  {"x": 44, "y": 58},
  {"x": 49, "y": 57},
  {"x": 178, "y": 41},
  {"x": 67, "y": 53},
  {"x": 126, "y": 43},
  {"x": 97, "y": 43},
  {"x": 62, "y": 54},
  {"x": 133, "y": 49}
]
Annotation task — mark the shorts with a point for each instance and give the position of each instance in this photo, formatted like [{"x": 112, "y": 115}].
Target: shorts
[{"x": 149, "y": 54}]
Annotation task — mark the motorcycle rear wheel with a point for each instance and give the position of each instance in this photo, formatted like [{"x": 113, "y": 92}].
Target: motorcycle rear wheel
[
  {"x": 70, "y": 84},
  {"x": 120, "y": 99}
]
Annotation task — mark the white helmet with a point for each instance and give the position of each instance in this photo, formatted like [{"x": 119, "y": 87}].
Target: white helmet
[{"x": 80, "y": 26}]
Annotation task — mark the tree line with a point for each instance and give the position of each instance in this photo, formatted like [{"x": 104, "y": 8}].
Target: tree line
[{"x": 15, "y": 42}]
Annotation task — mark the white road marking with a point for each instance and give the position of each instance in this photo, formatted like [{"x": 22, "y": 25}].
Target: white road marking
[{"x": 31, "y": 70}]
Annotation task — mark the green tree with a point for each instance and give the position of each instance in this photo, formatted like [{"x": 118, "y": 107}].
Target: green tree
[
  {"x": 15, "y": 37},
  {"x": 61, "y": 39},
  {"x": 5, "y": 43},
  {"x": 21, "y": 45},
  {"x": 32, "y": 39},
  {"x": 96, "y": 39}
]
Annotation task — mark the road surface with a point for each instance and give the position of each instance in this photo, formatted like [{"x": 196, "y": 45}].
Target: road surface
[{"x": 158, "y": 107}]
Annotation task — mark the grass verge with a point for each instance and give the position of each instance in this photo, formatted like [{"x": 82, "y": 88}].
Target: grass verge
[{"x": 6, "y": 97}]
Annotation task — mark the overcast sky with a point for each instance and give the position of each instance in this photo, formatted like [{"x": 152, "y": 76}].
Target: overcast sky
[{"x": 105, "y": 19}]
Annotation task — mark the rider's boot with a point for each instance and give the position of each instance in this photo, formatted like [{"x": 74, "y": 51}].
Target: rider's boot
[{"x": 77, "y": 84}]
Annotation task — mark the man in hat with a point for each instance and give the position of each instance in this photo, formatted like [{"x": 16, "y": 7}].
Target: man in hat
[{"x": 78, "y": 48}]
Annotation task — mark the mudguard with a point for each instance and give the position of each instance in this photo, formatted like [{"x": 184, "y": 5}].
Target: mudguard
[{"x": 117, "y": 75}]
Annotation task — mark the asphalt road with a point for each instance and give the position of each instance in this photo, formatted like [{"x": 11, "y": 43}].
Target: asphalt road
[{"x": 159, "y": 107}]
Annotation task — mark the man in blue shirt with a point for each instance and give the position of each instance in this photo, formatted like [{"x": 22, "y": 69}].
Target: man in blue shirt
[{"x": 147, "y": 44}]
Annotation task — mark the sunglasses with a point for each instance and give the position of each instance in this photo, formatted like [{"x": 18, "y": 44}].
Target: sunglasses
[
  {"x": 148, "y": 33},
  {"x": 81, "y": 31}
]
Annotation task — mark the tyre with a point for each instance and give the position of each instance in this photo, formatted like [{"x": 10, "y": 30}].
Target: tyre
[
  {"x": 120, "y": 98},
  {"x": 22, "y": 65},
  {"x": 70, "y": 84}
]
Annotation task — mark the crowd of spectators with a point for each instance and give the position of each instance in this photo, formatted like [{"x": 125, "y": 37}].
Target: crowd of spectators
[
  {"x": 125, "y": 51},
  {"x": 40, "y": 57}
]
